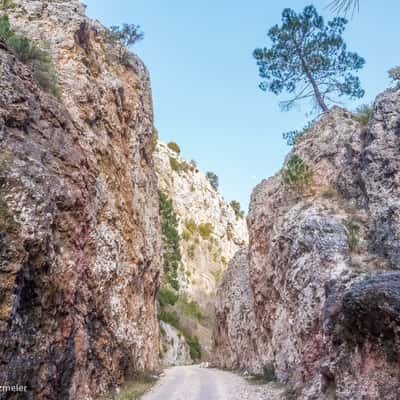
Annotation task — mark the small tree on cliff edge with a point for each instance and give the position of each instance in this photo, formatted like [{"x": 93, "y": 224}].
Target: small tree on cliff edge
[{"x": 309, "y": 59}]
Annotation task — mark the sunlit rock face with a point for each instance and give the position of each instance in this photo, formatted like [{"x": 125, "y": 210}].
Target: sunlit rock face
[
  {"x": 325, "y": 310},
  {"x": 204, "y": 258},
  {"x": 80, "y": 242}
]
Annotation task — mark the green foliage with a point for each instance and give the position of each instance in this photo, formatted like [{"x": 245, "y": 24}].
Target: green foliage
[
  {"x": 194, "y": 346},
  {"x": 363, "y": 114},
  {"x": 167, "y": 296},
  {"x": 185, "y": 235},
  {"x": 291, "y": 137},
  {"x": 7, "y": 5},
  {"x": 205, "y": 230},
  {"x": 191, "y": 226},
  {"x": 217, "y": 275},
  {"x": 394, "y": 75},
  {"x": 41, "y": 63},
  {"x": 309, "y": 59},
  {"x": 191, "y": 308},
  {"x": 172, "y": 319},
  {"x": 171, "y": 241},
  {"x": 174, "y": 147},
  {"x": 179, "y": 166},
  {"x": 124, "y": 36},
  {"x": 297, "y": 175},
  {"x": 213, "y": 179},
  {"x": 237, "y": 209},
  {"x": 352, "y": 231},
  {"x": 169, "y": 317}
]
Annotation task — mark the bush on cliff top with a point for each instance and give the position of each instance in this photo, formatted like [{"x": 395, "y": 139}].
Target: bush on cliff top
[
  {"x": 41, "y": 62},
  {"x": 174, "y": 147}
]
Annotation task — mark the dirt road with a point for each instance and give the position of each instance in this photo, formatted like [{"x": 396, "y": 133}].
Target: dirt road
[{"x": 196, "y": 383}]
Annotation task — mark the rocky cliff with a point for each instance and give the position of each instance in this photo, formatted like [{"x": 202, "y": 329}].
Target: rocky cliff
[
  {"x": 323, "y": 292},
  {"x": 79, "y": 225},
  {"x": 211, "y": 232}
]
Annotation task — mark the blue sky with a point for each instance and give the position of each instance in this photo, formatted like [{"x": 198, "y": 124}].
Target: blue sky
[{"x": 205, "y": 81}]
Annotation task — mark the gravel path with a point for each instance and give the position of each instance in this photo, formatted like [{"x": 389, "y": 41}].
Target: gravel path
[{"x": 196, "y": 383}]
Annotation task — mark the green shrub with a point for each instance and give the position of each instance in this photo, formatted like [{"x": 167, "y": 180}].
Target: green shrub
[
  {"x": 7, "y": 5},
  {"x": 363, "y": 114},
  {"x": 237, "y": 209},
  {"x": 394, "y": 75},
  {"x": 123, "y": 37},
  {"x": 291, "y": 137},
  {"x": 170, "y": 241},
  {"x": 174, "y": 147},
  {"x": 170, "y": 317},
  {"x": 205, "y": 230},
  {"x": 297, "y": 175},
  {"x": 167, "y": 296},
  {"x": 217, "y": 275},
  {"x": 352, "y": 231},
  {"x": 178, "y": 166},
  {"x": 43, "y": 69},
  {"x": 213, "y": 179},
  {"x": 191, "y": 308},
  {"x": 191, "y": 226},
  {"x": 186, "y": 235},
  {"x": 194, "y": 347}
]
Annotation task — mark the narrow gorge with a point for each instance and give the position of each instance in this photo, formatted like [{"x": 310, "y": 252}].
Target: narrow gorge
[{"x": 120, "y": 259}]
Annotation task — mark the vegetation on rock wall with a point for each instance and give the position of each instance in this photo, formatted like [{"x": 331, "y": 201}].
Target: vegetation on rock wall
[
  {"x": 297, "y": 175},
  {"x": 237, "y": 209},
  {"x": 213, "y": 179},
  {"x": 41, "y": 63},
  {"x": 171, "y": 241},
  {"x": 174, "y": 147}
]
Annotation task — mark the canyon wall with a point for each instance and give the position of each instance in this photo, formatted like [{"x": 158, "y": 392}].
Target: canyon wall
[
  {"x": 324, "y": 294},
  {"x": 205, "y": 254},
  {"x": 80, "y": 241}
]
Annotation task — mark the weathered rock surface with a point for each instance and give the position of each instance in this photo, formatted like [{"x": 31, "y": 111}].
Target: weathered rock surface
[
  {"x": 79, "y": 225},
  {"x": 203, "y": 258},
  {"x": 175, "y": 350},
  {"x": 236, "y": 330},
  {"x": 326, "y": 312}
]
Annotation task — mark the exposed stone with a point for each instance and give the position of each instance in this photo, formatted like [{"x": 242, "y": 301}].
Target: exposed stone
[
  {"x": 322, "y": 323},
  {"x": 79, "y": 226},
  {"x": 175, "y": 350}
]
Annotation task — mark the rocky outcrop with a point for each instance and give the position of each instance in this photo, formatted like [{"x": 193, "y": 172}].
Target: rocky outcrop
[
  {"x": 325, "y": 305},
  {"x": 79, "y": 226},
  {"x": 204, "y": 256},
  {"x": 174, "y": 348},
  {"x": 236, "y": 330}
]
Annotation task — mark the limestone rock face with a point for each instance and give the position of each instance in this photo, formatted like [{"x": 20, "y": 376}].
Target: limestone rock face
[
  {"x": 79, "y": 225},
  {"x": 326, "y": 306},
  {"x": 205, "y": 253},
  {"x": 236, "y": 330},
  {"x": 175, "y": 350},
  {"x": 204, "y": 258}
]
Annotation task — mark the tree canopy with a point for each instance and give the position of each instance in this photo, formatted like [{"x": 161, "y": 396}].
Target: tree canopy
[{"x": 309, "y": 59}]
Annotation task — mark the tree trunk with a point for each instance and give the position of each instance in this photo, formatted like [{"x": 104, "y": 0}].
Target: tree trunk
[{"x": 318, "y": 95}]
